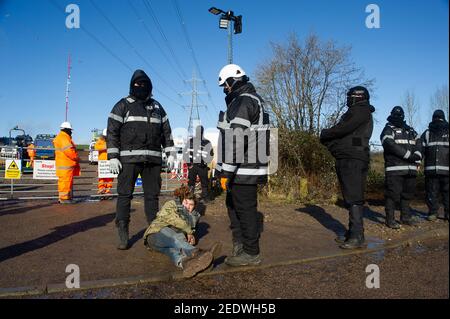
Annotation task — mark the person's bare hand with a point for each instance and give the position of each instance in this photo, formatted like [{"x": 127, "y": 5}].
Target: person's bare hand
[{"x": 191, "y": 239}]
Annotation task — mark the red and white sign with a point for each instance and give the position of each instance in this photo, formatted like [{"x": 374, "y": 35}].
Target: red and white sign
[{"x": 44, "y": 170}]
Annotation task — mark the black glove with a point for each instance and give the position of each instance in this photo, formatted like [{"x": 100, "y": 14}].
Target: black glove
[{"x": 415, "y": 158}]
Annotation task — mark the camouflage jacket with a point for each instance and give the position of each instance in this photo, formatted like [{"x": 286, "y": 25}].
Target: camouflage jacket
[{"x": 173, "y": 215}]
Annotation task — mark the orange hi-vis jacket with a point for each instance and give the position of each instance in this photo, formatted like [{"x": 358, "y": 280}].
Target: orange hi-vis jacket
[
  {"x": 31, "y": 151},
  {"x": 100, "y": 146},
  {"x": 66, "y": 156}
]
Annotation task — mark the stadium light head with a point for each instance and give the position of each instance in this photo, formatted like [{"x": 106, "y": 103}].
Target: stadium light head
[
  {"x": 215, "y": 11},
  {"x": 223, "y": 22}
]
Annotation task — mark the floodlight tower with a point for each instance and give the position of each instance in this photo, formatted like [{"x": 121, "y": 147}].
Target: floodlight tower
[{"x": 225, "y": 21}]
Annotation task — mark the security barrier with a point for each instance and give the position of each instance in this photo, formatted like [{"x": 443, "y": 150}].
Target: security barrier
[{"x": 85, "y": 186}]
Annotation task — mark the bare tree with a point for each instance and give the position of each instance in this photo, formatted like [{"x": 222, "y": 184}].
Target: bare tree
[
  {"x": 412, "y": 108},
  {"x": 439, "y": 100},
  {"x": 304, "y": 84}
]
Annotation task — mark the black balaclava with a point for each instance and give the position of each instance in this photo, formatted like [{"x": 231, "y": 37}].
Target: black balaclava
[
  {"x": 438, "y": 115},
  {"x": 141, "y": 92},
  {"x": 397, "y": 117},
  {"x": 357, "y": 94},
  {"x": 68, "y": 131},
  {"x": 438, "y": 125},
  {"x": 235, "y": 83}
]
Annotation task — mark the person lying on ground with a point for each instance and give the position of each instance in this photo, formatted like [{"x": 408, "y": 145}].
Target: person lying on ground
[{"x": 172, "y": 233}]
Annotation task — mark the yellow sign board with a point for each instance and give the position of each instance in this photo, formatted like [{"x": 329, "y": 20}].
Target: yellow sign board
[{"x": 13, "y": 169}]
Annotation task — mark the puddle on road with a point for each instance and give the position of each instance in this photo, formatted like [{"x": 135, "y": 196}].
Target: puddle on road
[{"x": 375, "y": 243}]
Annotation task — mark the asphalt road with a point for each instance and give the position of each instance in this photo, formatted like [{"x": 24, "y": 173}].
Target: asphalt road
[{"x": 419, "y": 270}]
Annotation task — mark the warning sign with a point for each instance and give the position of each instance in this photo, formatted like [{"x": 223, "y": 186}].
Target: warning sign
[
  {"x": 44, "y": 170},
  {"x": 104, "y": 170},
  {"x": 13, "y": 169}
]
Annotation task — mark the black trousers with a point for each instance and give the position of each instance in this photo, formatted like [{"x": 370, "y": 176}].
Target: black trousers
[
  {"x": 202, "y": 172},
  {"x": 399, "y": 189},
  {"x": 436, "y": 185},
  {"x": 242, "y": 205},
  {"x": 151, "y": 183},
  {"x": 352, "y": 176}
]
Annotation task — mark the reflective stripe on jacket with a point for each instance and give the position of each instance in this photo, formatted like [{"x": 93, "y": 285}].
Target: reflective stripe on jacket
[
  {"x": 399, "y": 144},
  {"x": 137, "y": 130},
  {"x": 66, "y": 155},
  {"x": 436, "y": 153},
  {"x": 245, "y": 159}
]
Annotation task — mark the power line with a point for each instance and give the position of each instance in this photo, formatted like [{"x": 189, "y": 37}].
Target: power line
[
  {"x": 131, "y": 45},
  {"x": 136, "y": 13},
  {"x": 152, "y": 14},
  {"x": 105, "y": 47},
  {"x": 92, "y": 36},
  {"x": 191, "y": 48}
]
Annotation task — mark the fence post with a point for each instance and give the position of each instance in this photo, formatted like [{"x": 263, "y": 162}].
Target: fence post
[{"x": 12, "y": 189}]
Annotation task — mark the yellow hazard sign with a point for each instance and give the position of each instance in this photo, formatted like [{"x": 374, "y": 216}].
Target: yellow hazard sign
[{"x": 13, "y": 169}]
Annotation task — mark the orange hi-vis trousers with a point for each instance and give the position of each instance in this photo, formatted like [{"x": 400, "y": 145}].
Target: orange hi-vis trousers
[
  {"x": 65, "y": 185},
  {"x": 105, "y": 185}
]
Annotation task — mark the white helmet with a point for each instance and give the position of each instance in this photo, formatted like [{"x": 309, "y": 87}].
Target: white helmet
[
  {"x": 230, "y": 71},
  {"x": 66, "y": 125},
  {"x": 104, "y": 132}
]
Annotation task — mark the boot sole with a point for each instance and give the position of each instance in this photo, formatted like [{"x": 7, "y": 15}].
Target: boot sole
[
  {"x": 353, "y": 247},
  {"x": 243, "y": 264},
  {"x": 198, "y": 265}
]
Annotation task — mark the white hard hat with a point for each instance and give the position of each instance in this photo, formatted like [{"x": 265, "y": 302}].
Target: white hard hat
[
  {"x": 230, "y": 71},
  {"x": 104, "y": 132},
  {"x": 66, "y": 125}
]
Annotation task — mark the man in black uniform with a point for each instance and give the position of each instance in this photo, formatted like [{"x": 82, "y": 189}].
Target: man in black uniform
[
  {"x": 137, "y": 129},
  {"x": 435, "y": 151},
  {"x": 199, "y": 153},
  {"x": 348, "y": 142},
  {"x": 402, "y": 158},
  {"x": 244, "y": 128}
]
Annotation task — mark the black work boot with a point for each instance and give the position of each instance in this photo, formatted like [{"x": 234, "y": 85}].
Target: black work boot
[
  {"x": 340, "y": 239},
  {"x": 243, "y": 259},
  {"x": 410, "y": 220},
  {"x": 406, "y": 216},
  {"x": 432, "y": 216},
  {"x": 356, "y": 237},
  {"x": 390, "y": 220},
  {"x": 354, "y": 242},
  {"x": 123, "y": 235}
]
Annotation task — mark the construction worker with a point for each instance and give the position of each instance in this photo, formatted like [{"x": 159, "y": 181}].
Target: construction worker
[
  {"x": 67, "y": 162},
  {"x": 348, "y": 142},
  {"x": 31, "y": 153},
  {"x": 402, "y": 158},
  {"x": 199, "y": 154},
  {"x": 436, "y": 156},
  {"x": 104, "y": 184},
  {"x": 138, "y": 127},
  {"x": 247, "y": 124}
]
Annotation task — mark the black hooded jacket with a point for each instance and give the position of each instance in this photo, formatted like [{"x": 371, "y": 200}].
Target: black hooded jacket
[
  {"x": 349, "y": 138},
  {"x": 245, "y": 160},
  {"x": 435, "y": 148},
  {"x": 138, "y": 129},
  {"x": 400, "y": 142}
]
